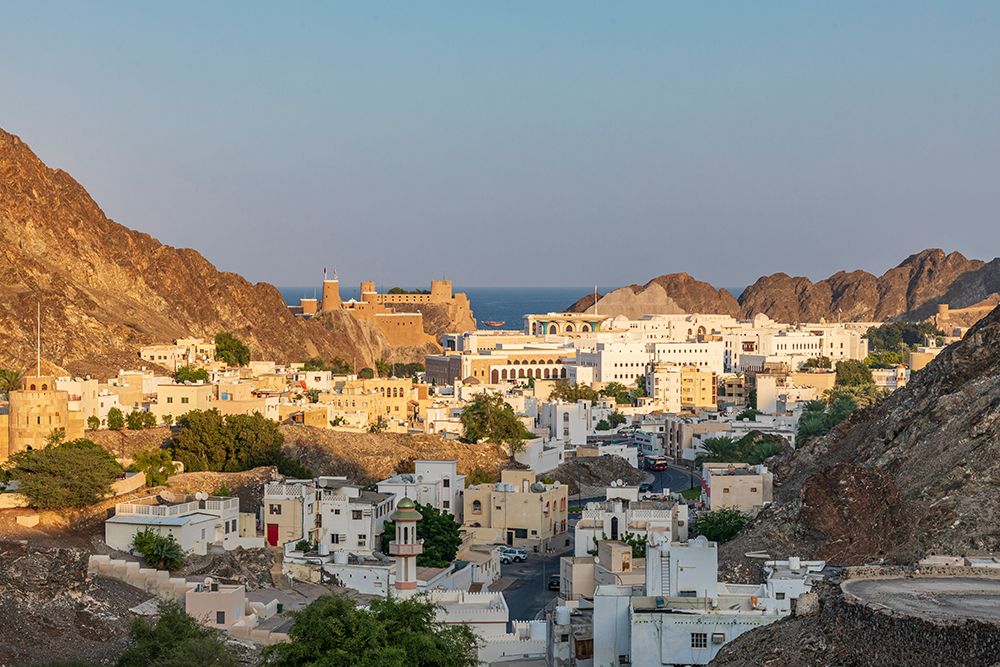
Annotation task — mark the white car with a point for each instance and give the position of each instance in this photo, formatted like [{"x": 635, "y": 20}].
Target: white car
[{"x": 513, "y": 555}]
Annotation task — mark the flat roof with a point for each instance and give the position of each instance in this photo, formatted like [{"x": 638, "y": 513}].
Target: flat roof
[{"x": 150, "y": 520}]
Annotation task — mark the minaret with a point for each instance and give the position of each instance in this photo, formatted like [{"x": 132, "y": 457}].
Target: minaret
[
  {"x": 406, "y": 547},
  {"x": 331, "y": 292}
]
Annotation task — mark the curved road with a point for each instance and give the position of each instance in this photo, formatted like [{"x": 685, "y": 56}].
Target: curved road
[{"x": 942, "y": 598}]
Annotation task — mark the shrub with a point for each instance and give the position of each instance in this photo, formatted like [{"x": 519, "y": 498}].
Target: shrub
[
  {"x": 93, "y": 423},
  {"x": 720, "y": 525},
  {"x": 68, "y": 475},
  {"x": 163, "y": 553},
  {"x": 116, "y": 420}
]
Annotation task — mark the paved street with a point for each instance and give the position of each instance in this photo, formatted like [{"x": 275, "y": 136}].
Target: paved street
[
  {"x": 527, "y": 592},
  {"x": 943, "y": 598},
  {"x": 674, "y": 479}
]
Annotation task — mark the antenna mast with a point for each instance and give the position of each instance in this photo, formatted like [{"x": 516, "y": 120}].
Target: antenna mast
[{"x": 38, "y": 342}]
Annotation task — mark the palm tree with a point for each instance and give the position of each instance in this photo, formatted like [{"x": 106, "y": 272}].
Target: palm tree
[{"x": 10, "y": 380}]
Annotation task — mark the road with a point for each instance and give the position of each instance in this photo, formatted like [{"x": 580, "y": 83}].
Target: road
[
  {"x": 674, "y": 479},
  {"x": 943, "y": 598},
  {"x": 528, "y": 593}
]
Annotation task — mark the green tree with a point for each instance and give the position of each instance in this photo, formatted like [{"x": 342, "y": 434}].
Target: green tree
[
  {"x": 749, "y": 414},
  {"x": 223, "y": 490},
  {"x": 562, "y": 390},
  {"x": 167, "y": 420},
  {"x": 481, "y": 476},
  {"x": 616, "y": 419},
  {"x": 383, "y": 368},
  {"x": 885, "y": 359},
  {"x": 69, "y": 475},
  {"x": 159, "y": 551},
  {"x": 488, "y": 417},
  {"x": 720, "y": 449},
  {"x": 116, "y": 420},
  {"x": 720, "y": 525},
  {"x": 818, "y": 362},
  {"x": 10, "y": 380},
  {"x": 851, "y": 372},
  {"x": 339, "y": 366},
  {"x": 366, "y": 373},
  {"x": 617, "y": 391},
  {"x": 201, "y": 442},
  {"x": 438, "y": 530},
  {"x": 753, "y": 448},
  {"x": 394, "y": 632},
  {"x": 148, "y": 420},
  {"x": 134, "y": 420},
  {"x": 231, "y": 349},
  {"x": 901, "y": 336},
  {"x": 156, "y": 464},
  {"x": 93, "y": 423},
  {"x": 190, "y": 374},
  {"x": 603, "y": 425},
  {"x": 314, "y": 364},
  {"x": 174, "y": 639}
]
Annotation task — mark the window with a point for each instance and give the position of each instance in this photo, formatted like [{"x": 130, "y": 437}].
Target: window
[
  {"x": 335, "y": 539},
  {"x": 477, "y": 507},
  {"x": 362, "y": 539},
  {"x": 779, "y": 596},
  {"x": 170, "y": 399},
  {"x": 445, "y": 504},
  {"x": 725, "y": 490},
  {"x": 446, "y": 483},
  {"x": 274, "y": 509},
  {"x": 687, "y": 594},
  {"x": 753, "y": 489},
  {"x": 220, "y": 618},
  {"x": 356, "y": 515},
  {"x": 185, "y": 399},
  {"x": 699, "y": 640}
]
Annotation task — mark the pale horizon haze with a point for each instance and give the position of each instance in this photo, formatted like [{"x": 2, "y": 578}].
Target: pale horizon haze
[{"x": 518, "y": 143}]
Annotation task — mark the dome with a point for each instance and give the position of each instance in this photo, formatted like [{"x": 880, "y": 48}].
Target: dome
[
  {"x": 406, "y": 510},
  {"x": 406, "y": 503}
]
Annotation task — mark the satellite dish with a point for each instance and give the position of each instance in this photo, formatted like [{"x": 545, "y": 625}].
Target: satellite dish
[
  {"x": 620, "y": 482},
  {"x": 556, "y": 484},
  {"x": 201, "y": 495}
]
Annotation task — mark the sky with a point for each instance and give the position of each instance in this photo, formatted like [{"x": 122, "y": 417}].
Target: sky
[{"x": 522, "y": 143}]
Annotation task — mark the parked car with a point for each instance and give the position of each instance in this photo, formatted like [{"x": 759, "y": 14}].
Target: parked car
[
  {"x": 645, "y": 487},
  {"x": 513, "y": 555},
  {"x": 554, "y": 582}
]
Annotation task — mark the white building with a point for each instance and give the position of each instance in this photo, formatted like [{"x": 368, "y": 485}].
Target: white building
[
  {"x": 350, "y": 518},
  {"x": 618, "y": 516},
  {"x": 434, "y": 483},
  {"x": 196, "y": 522}
]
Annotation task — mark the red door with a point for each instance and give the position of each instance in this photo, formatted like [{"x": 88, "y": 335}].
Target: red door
[{"x": 272, "y": 534}]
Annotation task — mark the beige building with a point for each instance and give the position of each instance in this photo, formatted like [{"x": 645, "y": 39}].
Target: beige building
[
  {"x": 178, "y": 399},
  {"x": 290, "y": 511},
  {"x": 36, "y": 411},
  {"x": 737, "y": 485},
  {"x": 516, "y": 511},
  {"x": 699, "y": 389}
]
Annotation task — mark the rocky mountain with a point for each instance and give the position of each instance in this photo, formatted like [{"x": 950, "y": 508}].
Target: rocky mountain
[
  {"x": 918, "y": 473},
  {"x": 105, "y": 290},
  {"x": 667, "y": 294},
  {"x": 910, "y": 290}
]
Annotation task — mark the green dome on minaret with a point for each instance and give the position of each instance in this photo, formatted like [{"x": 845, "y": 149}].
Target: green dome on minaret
[{"x": 406, "y": 510}]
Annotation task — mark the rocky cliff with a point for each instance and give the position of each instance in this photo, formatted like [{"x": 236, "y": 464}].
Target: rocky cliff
[
  {"x": 667, "y": 294},
  {"x": 915, "y": 474},
  {"x": 910, "y": 290},
  {"x": 105, "y": 290}
]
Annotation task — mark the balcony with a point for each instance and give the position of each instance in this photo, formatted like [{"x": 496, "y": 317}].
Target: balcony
[{"x": 396, "y": 549}]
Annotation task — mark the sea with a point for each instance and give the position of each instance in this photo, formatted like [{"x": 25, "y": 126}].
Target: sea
[{"x": 496, "y": 304}]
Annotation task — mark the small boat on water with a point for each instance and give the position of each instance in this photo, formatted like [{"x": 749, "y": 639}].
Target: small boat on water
[{"x": 494, "y": 323}]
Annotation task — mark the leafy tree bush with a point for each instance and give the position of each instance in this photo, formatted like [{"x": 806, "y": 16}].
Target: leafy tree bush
[
  {"x": 10, "y": 380},
  {"x": 885, "y": 359},
  {"x": 900, "y": 336},
  {"x": 205, "y": 440},
  {"x": 818, "y": 362},
  {"x": 616, "y": 419},
  {"x": 753, "y": 448},
  {"x": 93, "y": 423},
  {"x": 156, "y": 463},
  {"x": 366, "y": 373},
  {"x": 148, "y": 420},
  {"x": 617, "y": 391},
  {"x": 116, "y": 420},
  {"x": 190, "y": 374},
  {"x": 68, "y": 475},
  {"x": 394, "y": 632},
  {"x": 749, "y": 414},
  {"x": 603, "y": 425},
  {"x": 852, "y": 372},
  {"x": 820, "y": 417},
  {"x": 174, "y": 639},
  {"x": 481, "y": 476},
  {"x": 167, "y": 420},
  {"x": 488, "y": 417},
  {"x": 562, "y": 390},
  {"x": 720, "y": 525},
  {"x": 161, "y": 552},
  {"x": 337, "y": 365},
  {"x": 134, "y": 420},
  {"x": 231, "y": 349},
  {"x": 437, "y": 529}
]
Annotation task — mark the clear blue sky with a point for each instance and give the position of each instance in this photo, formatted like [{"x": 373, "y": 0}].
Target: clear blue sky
[{"x": 522, "y": 143}]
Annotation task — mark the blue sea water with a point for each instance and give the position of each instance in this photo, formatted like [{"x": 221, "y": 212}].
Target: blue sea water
[{"x": 498, "y": 304}]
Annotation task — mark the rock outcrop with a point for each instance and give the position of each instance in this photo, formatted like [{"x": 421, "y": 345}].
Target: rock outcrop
[
  {"x": 667, "y": 294},
  {"x": 105, "y": 290},
  {"x": 915, "y": 474},
  {"x": 912, "y": 290}
]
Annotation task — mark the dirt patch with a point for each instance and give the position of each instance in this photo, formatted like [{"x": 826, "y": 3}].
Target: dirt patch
[
  {"x": 369, "y": 457},
  {"x": 595, "y": 471}
]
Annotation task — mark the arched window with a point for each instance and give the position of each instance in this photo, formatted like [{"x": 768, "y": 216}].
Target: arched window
[
  {"x": 562, "y": 373},
  {"x": 538, "y": 373},
  {"x": 45, "y": 387},
  {"x": 546, "y": 373},
  {"x": 569, "y": 328},
  {"x": 32, "y": 388},
  {"x": 585, "y": 328},
  {"x": 553, "y": 329},
  {"x": 477, "y": 507},
  {"x": 495, "y": 376}
]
